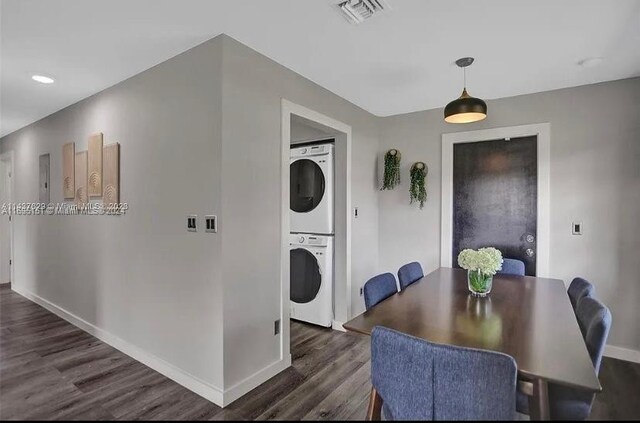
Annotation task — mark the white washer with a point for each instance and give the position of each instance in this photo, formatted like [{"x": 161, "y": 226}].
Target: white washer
[
  {"x": 311, "y": 278},
  {"x": 311, "y": 189}
]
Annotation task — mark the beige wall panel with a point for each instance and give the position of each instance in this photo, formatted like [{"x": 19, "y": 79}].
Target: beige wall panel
[
  {"x": 95, "y": 165},
  {"x": 81, "y": 178},
  {"x": 111, "y": 161},
  {"x": 68, "y": 172}
]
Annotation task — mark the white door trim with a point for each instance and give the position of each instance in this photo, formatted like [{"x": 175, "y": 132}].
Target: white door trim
[
  {"x": 9, "y": 158},
  {"x": 543, "y": 132},
  {"x": 289, "y": 108}
]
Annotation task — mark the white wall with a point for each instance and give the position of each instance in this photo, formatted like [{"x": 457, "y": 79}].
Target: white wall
[
  {"x": 595, "y": 179},
  {"x": 253, "y": 87},
  {"x": 140, "y": 277}
]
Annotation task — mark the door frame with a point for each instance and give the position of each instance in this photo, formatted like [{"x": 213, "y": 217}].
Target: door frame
[
  {"x": 8, "y": 157},
  {"x": 543, "y": 133},
  {"x": 289, "y": 108}
]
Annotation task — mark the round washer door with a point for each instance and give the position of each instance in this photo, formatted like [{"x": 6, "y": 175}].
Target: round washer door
[
  {"x": 305, "y": 276},
  {"x": 306, "y": 185}
]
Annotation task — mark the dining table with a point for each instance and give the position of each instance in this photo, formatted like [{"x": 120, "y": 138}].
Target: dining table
[{"x": 528, "y": 318}]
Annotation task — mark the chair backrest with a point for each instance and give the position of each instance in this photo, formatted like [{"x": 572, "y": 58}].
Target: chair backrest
[
  {"x": 512, "y": 267},
  {"x": 379, "y": 288},
  {"x": 419, "y": 380},
  {"x": 409, "y": 273},
  {"x": 578, "y": 289},
  {"x": 594, "y": 319}
]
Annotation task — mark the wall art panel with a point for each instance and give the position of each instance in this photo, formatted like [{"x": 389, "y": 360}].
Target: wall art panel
[
  {"x": 81, "y": 178},
  {"x": 68, "y": 171},
  {"x": 95, "y": 165},
  {"x": 111, "y": 164}
]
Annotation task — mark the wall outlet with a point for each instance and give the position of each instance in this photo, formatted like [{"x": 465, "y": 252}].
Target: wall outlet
[
  {"x": 192, "y": 223},
  {"x": 361, "y": 291},
  {"x": 276, "y": 327}
]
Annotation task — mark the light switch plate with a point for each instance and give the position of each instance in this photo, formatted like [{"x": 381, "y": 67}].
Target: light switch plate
[
  {"x": 211, "y": 223},
  {"x": 192, "y": 223},
  {"x": 576, "y": 228}
]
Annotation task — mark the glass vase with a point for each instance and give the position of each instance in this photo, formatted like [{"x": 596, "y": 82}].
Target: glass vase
[{"x": 479, "y": 283}]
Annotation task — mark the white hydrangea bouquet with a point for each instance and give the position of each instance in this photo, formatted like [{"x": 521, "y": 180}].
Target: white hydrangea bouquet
[{"x": 480, "y": 265}]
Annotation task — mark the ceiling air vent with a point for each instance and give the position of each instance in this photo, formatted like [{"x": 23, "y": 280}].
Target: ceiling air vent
[{"x": 357, "y": 11}]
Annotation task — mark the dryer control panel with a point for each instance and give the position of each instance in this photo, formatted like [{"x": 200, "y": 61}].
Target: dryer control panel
[
  {"x": 311, "y": 150},
  {"x": 308, "y": 239}
]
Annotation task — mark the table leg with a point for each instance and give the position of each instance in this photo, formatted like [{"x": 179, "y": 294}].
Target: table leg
[
  {"x": 375, "y": 405},
  {"x": 539, "y": 401}
]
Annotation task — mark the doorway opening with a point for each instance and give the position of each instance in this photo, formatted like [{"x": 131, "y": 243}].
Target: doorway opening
[
  {"x": 496, "y": 193},
  {"x": 316, "y": 221},
  {"x": 6, "y": 220}
]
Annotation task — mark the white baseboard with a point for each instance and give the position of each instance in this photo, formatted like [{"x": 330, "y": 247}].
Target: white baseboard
[
  {"x": 335, "y": 325},
  {"x": 256, "y": 379},
  {"x": 621, "y": 353},
  {"x": 200, "y": 387}
]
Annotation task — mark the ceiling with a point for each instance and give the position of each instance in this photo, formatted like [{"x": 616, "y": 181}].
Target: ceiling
[{"x": 395, "y": 63}]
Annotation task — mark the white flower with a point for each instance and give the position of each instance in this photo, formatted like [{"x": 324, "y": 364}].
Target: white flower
[{"x": 487, "y": 260}]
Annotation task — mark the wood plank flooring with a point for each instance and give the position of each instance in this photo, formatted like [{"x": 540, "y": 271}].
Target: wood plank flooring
[{"x": 49, "y": 370}]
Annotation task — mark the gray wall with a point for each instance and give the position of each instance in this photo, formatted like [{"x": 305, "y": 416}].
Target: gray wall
[
  {"x": 595, "y": 179},
  {"x": 253, "y": 87},
  {"x": 199, "y": 134},
  {"x": 141, "y": 277},
  {"x": 302, "y": 131}
]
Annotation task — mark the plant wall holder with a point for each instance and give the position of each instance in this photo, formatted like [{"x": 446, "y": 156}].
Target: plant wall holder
[
  {"x": 391, "y": 177},
  {"x": 417, "y": 187}
]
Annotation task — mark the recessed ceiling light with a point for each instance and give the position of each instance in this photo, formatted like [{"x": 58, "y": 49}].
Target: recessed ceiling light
[
  {"x": 42, "y": 79},
  {"x": 590, "y": 62}
]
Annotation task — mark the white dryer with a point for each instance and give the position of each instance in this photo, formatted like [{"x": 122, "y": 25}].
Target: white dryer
[
  {"x": 311, "y": 189},
  {"x": 311, "y": 278}
]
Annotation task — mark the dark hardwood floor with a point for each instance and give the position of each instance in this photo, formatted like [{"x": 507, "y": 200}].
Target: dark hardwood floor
[{"x": 49, "y": 369}]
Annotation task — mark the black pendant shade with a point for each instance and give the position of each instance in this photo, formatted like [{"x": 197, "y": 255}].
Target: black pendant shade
[{"x": 465, "y": 109}]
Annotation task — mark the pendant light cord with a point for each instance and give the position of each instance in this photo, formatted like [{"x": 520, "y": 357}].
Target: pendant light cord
[{"x": 464, "y": 72}]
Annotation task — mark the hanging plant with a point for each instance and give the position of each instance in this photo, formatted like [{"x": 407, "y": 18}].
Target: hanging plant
[
  {"x": 417, "y": 189},
  {"x": 391, "y": 169}
]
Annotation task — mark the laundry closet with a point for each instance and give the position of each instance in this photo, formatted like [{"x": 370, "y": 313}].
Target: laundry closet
[{"x": 312, "y": 223}]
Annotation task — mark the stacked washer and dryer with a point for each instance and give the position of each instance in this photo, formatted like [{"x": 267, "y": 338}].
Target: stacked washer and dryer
[{"x": 312, "y": 230}]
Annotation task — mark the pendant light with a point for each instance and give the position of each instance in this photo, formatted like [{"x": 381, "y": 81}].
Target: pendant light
[{"x": 465, "y": 109}]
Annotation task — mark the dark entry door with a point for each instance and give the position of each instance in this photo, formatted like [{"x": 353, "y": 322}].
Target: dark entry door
[{"x": 495, "y": 192}]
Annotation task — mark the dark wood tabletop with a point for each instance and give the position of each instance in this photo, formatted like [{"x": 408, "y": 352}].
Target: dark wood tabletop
[{"x": 528, "y": 318}]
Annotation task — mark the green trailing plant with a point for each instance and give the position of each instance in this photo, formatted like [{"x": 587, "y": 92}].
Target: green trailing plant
[
  {"x": 417, "y": 188},
  {"x": 391, "y": 169}
]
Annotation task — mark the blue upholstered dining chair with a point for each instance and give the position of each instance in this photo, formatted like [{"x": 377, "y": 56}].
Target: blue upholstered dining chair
[
  {"x": 567, "y": 403},
  {"x": 512, "y": 267},
  {"x": 409, "y": 273},
  {"x": 578, "y": 289},
  {"x": 418, "y": 380},
  {"x": 379, "y": 288}
]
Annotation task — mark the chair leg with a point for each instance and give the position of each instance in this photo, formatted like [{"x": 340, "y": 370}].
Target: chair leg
[{"x": 375, "y": 405}]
